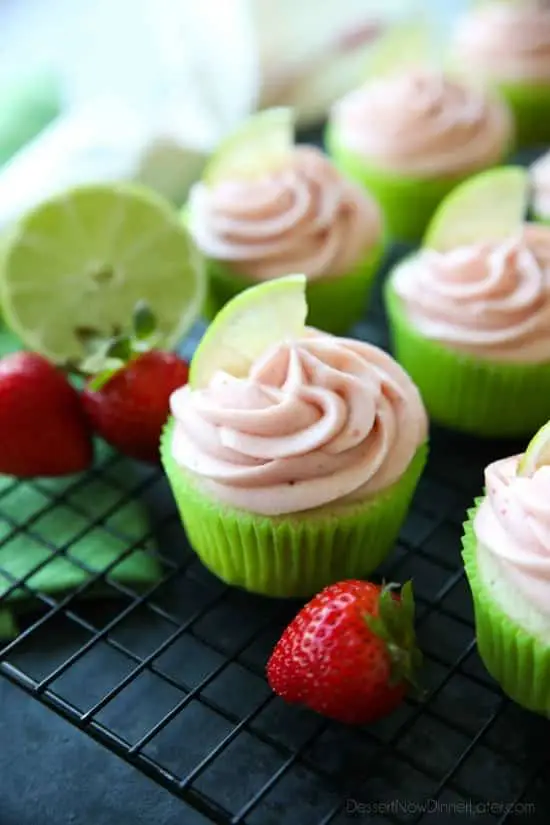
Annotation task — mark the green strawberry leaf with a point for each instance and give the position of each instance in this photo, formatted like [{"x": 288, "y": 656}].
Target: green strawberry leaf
[{"x": 394, "y": 625}]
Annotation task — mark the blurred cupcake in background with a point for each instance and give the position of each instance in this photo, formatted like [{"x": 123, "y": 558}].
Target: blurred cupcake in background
[
  {"x": 299, "y": 215},
  {"x": 410, "y": 137},
  {"x": 472, "y": 328},
  {"x": 507, "y": 45}
]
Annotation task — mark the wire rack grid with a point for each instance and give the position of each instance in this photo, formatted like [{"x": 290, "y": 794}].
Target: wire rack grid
[{"x": 172, "y": 677}]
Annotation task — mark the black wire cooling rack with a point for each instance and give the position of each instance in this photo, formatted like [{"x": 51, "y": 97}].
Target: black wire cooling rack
[{"x": 172, "y": 678}]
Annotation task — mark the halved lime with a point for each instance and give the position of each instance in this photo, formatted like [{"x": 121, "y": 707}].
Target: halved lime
[
  {"x": 260, "y": 145},
  {"x": 82, "y": 260},
  {"x": 537, "y": 453},
  {"x": 250, "y": 323},
  {"x": 490, "y": 206}
]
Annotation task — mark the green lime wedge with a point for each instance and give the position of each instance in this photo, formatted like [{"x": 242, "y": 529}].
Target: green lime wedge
[
  {"x": 404, "y": 45},
  {"x": 250, "y": 323},
  {"x": 490, "y": 206},
  {"x": 260, "y": 145},
  {"x": 83, "y": 260},
  {"x": 537, "y": 453}
]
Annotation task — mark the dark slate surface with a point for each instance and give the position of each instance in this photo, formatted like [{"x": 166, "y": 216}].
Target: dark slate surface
[{"x": 52, "y": 774}]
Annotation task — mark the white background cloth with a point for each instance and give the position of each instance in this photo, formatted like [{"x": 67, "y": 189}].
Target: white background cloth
[{"x": 151, "y": 86}]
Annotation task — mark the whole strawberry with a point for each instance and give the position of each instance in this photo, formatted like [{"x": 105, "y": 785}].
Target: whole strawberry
[
  {"x": 43, "y": 430},
  {"x": 350, "y": 653},
  {"x": 127, "y": 402}
]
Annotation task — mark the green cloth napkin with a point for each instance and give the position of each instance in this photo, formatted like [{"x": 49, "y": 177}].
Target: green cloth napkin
[
  {"x": 61, "y": 512},
  {"x": 27, "y": 104}
]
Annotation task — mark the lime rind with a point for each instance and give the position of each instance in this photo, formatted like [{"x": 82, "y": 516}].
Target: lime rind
[
  {"x": 261, "y": 144},
  {"x": 248, "y": 325},
  {"x": 54, "y": 259},
  {"x": 488, "y": 207},
  {"x": 537, "y": 453}
]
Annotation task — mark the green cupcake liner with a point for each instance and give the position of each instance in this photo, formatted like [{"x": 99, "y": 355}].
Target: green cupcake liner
[
  {"x": 483, "y": 398},
  {"x": 519, "y": 661},
  {"x": 295, "y": 555},
  {"x": 334, "y": 304},
  {"x": 407, "y": 203},
  {"x": 530, "y": 105}
]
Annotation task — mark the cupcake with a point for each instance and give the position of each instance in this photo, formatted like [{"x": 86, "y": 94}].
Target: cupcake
[
  {"x": 302, "y": 217},
  {"x": 540, "y": 188},
  {"x": 411, "y": 137},
  {"x": 300, "y": 472},
  {"x": 507, "y": 46},
  {"x": 506, "y": 551},
  {"x": 472, "y": 328}
]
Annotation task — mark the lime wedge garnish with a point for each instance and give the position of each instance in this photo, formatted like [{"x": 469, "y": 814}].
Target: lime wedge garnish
[
  {"x": 260, "y": 145},
  {"x": 537, "y": 453},
  {"x": 82, "y": 260},
  {"x": 488, "y": 207},
  {"x": 404, "y": 45},
  {"x": 250, "y": 323}
]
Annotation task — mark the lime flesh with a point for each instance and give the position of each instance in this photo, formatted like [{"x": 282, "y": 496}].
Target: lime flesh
[
  {"x": 248, "y": 325},
  {"x": 260, "y": 145},
  {"x": 81, "y": 261},
  {"x": 488, "y": 207},
  {"x": 403, "y": 46},
  {"x": 537, "y": 453}
]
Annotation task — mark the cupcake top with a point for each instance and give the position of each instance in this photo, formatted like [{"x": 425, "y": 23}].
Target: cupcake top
[
  {"x": 318, "y": 420},
  {"x": 422, "y": 123},
  {"x": 490, "y": 300},
  {"x": 506, "y": 41},
  {"x": 302, "y": 217},
  {"x": 513, "y": 524},
  {"x": 540, "y": 185}
]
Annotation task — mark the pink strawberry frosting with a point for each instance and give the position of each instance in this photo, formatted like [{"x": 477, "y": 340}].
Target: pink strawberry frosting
[
  {"x": 506, "y": 41},
  {"x": 513, "y": 525},
  {"x": 490, "y": 300},
  {"x": 422, "y": 123},
  {"x": 305, "y": 217},
  {"x": 319, "y": 420}
]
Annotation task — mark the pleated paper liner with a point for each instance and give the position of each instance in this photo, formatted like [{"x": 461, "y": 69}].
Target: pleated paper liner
[
  {"x": 519, "y": 661},
  {"x": 407, "y": 202},
  {"x": 472, "y": 395},
  {"x": 530, "y": 105},
  {"x": 295, "y": 555},
  {"x": 335, "y": 304}
]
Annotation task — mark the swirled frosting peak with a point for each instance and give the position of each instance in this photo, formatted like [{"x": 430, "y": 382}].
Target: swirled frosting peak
[
  {"x": 506, "y": 41},
  {"x": 319, "y": 420},
  {"x": 305, "y": 217},
  {"x": 491, "y": 300},
  {"x": 423, "y": 123},
  {"x": 512, "y": 525}
]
